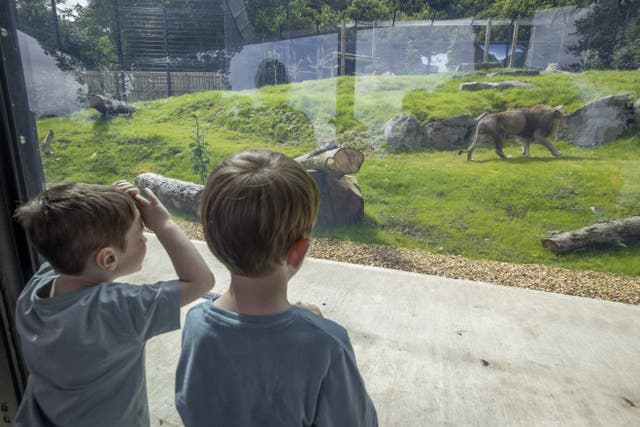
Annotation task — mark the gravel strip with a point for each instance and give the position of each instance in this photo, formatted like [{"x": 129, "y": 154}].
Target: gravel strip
[{"x": 605, "y": 286}]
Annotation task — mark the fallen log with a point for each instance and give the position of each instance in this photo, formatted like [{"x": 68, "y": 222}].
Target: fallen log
[
  {"x": 341, "y": 200},
  {"x": 181, "y": 195},
  {"x": 616, "y": 231},
  {"x": 109, "y": 107},
  {"x": 336, "y": 161}
]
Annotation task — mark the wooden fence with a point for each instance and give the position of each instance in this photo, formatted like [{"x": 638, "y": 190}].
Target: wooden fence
[{"x": 145, "y": 85}]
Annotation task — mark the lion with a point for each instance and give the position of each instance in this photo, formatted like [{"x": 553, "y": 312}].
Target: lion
[{"x": 535, "y": 124}]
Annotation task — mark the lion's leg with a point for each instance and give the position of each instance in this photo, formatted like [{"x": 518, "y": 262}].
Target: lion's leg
[
  {"x": 525, "y": 146},
  {"x": 499, "y": 141},
  {"x": 545, "y": 141}
]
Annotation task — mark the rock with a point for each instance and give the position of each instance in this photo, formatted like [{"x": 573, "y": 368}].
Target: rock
[
  {"x": 515, "y": 73},
  {"x": 403, "y": 132},
  {"x": 109, "y": 107},
  {"x": 472, "y": 66},
  {"x": 507, "y": 84},
  {"x": 598, "y": 123},
  {"x": 636, "y": 111},
  {"x": 448, "y": 134}
]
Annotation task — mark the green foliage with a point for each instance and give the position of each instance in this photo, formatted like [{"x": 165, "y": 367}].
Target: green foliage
[
  {"x": 431, "y": 200},
  {"x": 610, "y": 35},
  {"x": 368, "y": 10},
  {"x": 200, "y": 153}
]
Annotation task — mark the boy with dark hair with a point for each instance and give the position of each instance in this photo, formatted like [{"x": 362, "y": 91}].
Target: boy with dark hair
[
  {"x": 83, "y": 335},
  {"x": 250, "y": 358}
]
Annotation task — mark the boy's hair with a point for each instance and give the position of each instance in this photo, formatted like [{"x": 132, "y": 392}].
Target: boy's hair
[
  {"x": 68, "y": 222},
  {"x": 255, "y": 206}
]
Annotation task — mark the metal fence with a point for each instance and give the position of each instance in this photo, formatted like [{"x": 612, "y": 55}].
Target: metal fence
[{"x": 144, "y": 85}]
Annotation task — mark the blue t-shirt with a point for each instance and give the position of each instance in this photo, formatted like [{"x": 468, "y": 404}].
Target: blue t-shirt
[
  {"x": 85, "y": 350},
  {"x": 288, "y": 369}
]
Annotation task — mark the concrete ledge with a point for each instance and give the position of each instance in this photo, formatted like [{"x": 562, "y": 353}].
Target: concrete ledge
[{"x": 436, "y": 351}]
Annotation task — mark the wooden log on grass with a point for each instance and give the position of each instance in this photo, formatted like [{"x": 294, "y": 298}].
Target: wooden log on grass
[
  {"x": 337, "y": 161},
  {"x": 616, "y": 231},
  {"x": 181, "y": 195},
  {"x": 341, "y": 200}
]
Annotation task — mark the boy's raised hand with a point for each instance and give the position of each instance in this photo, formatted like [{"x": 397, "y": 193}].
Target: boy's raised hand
[
  {"x": 195, "y": 276},
  {"x": 154, "y": 214}
]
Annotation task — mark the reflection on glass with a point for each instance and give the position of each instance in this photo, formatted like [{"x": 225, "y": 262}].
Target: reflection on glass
[{"x": 392, "y": 80}]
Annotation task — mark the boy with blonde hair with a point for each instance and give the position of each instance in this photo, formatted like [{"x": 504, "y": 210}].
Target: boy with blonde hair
[
  {"x": 249, "y": 357},
  {"x": 83, "y": 335}
]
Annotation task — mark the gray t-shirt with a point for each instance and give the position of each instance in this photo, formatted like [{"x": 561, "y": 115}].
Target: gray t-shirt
[
  {"x": 288, "y": 369},
  {"x": 85, "y": 350}
]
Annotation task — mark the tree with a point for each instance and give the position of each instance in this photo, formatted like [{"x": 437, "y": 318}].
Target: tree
[
  {"x": 610, "y": 35},
  {"x": 368, "y": 10}
]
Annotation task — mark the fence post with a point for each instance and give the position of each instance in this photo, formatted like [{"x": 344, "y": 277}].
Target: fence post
[
  {"x": 56, "y": 24},
  {"x": 120, "y": 86},
  {"x": 530, "y": 49},
  {"x": 166, "y": 48},
  {"x": 343, "y": 47},
  {"x": 514, "y": 41},
  {"x": 487, "y": 42}
]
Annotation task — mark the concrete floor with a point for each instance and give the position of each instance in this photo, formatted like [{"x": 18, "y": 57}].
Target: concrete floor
[{"x": 443, "y": 352}]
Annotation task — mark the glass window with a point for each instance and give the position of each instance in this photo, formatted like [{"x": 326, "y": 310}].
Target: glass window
[{"x": 547, "y": 98}]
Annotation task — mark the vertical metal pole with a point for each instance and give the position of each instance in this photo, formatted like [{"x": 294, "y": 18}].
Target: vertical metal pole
[
  {"x": 56, "y": 24},
  {"x": 166, "y": 48},
  {"x": 487, "y": 42},
  {"x": 514, "y": 41},
  {"x": 120, "y": 86},
  {"x": 531, "y": 47},
  {"x": 225, "y": 12},
  {"x": 373, "y": 46},
  {"x": 21, "y": 178},
  {"x": 562, "y": 40},
  {"x": 343, "y": 47}
]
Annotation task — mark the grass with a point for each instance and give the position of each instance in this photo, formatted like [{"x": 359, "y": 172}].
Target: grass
[{"x": 431, "y": 200}]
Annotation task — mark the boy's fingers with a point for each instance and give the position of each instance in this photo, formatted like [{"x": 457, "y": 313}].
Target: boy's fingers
[
  {"x": 154, "y": 199},
  {"x": 141, "y": 201},
  {"x": 133, "y": 191}
]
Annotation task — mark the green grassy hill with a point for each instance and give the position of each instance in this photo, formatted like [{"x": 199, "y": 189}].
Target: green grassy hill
[{"x": 431, "y": 200}]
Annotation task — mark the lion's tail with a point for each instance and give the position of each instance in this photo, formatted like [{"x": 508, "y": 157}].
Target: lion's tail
[{"x": 475, "y": 131}]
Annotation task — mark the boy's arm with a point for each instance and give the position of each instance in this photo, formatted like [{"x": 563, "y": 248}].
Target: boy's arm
[{"x": 195, "y": 276}]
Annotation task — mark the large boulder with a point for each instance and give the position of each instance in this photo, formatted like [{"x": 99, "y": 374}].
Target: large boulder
[
  {"x": 599, "y": 122},
  {"x": 636, "y": 111},
  {"x": 448, "y": 134},
  {"x": 403, "y": 132},
  {"x": 507, "y": 84}
]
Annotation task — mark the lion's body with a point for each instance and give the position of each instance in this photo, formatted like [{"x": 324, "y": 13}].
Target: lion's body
[{"x": 535, "y": 124}]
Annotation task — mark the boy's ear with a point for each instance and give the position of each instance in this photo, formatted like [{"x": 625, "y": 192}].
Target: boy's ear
[
  {"x": 298, "y": 251},
  {"x": 106, "y": 258}
]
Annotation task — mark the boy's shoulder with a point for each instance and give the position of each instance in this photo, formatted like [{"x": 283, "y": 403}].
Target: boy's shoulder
[
  {"x": 296, "y": 321},
  {"x": 329, "y": 327},
  {"x": 115, "y": 304}
]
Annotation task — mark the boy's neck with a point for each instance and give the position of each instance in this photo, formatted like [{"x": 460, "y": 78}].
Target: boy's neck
[
  {"x": 67, "y": 283},
  {"x": 257, "y": 295},
  {"x": 91, "y": 276}
]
